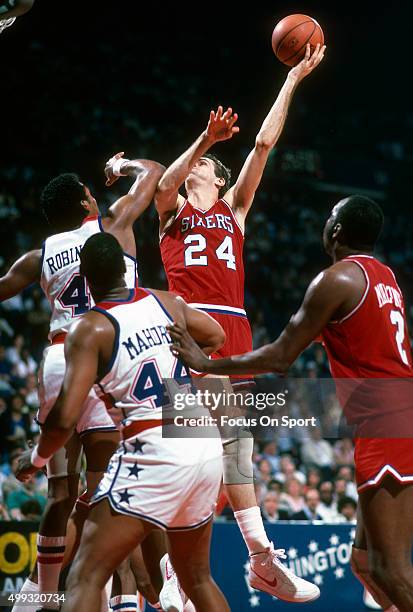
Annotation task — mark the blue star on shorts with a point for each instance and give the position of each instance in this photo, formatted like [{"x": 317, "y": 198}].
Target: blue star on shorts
[
  {"x": 137, "y": 446},
  {"x": 134, "y": 470},
  {"x": 124, "y": 496}
]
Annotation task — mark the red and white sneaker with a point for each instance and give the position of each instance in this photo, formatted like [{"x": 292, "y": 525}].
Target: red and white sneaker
[
  {"x": 268, "y": 574},
  {"x": 172, "y": 598}
]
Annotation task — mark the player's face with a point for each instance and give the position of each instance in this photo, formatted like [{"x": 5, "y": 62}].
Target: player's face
[{"x": 202, "y": 171}]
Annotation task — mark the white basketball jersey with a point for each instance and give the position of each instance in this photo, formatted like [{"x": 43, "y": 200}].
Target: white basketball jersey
[
  {"x": 63, "y": 285},
  {"x": 143, "y": 374}
]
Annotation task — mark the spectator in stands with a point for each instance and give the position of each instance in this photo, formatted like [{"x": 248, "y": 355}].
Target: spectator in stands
[
  {"x": 288, "y": 470},
  {"x": 327, "y": 507},
  {"x": 347, "y": 509},
  {"x": 292, "y": 498},
  {"x": 10, "y": 482},
  {"x": 264, "y": 474},
  {"x": 25, "y": 366},
  {"x": 17, "y": 498},
  {"x": 270, "y": 508},
  {"x": 18, "y": 423},
  {"x": 318, "y": 452},
  {"x": 5, "y": 373},
  {"x": 4, "y": 515},
  {"x": 31, "y": 393},
  {"x": 344, "y": 452},
  {"x": 310, "y": 509},
  {"x": 347, "y": 473},
  {"x": 269, "y": 453},
  {"x": 340, "y": 489},
  {"x": 313, "y": 477},
  {"x": 13, "y": 353}
]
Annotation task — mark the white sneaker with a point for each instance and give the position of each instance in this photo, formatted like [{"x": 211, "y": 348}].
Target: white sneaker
[
  {"x": 268, "y": 574},
  {"x": 370, "y": 602},
  {"x": 172, "y": 598}
]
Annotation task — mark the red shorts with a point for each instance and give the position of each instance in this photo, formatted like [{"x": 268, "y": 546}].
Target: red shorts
[
  {"x": 377, "y": 457},
  {"x": 239, "y": 340}
]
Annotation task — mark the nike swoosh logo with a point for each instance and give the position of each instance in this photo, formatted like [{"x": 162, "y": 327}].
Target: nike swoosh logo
[{"x": 271, "y": 583}]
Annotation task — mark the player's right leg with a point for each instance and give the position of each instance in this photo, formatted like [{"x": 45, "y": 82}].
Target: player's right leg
[
  {"x": 190, "y": 557},
  {"x": 100, "y": 554}
]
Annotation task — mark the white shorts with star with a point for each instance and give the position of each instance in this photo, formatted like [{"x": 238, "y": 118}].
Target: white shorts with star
[{"x": 171, "y": 482}]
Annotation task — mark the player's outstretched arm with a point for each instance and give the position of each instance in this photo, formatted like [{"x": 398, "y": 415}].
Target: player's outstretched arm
[
  {"x": 146, "y": 174},
  {"x": 324, "y": 297},
  {"x": 241, "y": 195},
  {"x": 221, "y": 126},
  {"x": 206, "y": 331},
  {"x": 24, "y": 272}
]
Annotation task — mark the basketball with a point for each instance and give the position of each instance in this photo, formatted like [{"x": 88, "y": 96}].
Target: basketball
[{"x": 291, "y": 35}]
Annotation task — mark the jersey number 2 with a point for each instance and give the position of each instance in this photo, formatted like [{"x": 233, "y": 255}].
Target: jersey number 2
[
  {"x": 397, "y": 319},
  {"x": 197, "y": 243}
]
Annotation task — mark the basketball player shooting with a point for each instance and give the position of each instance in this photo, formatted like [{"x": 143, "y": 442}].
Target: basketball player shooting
[
  {"x": 201, "y": 241},
  {"x": 358, "y": 309}
]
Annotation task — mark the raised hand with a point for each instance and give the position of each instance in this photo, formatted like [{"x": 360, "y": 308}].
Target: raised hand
[
  {"x": 308, "y": 63},
  {"x": 110, "y": 176},
  {"x": 221, "y": 126}
]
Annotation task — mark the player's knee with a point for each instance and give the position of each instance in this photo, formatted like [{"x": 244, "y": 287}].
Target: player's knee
[
  {"x": 237, "y": 461},
  {"x": 62, "y": 494}
]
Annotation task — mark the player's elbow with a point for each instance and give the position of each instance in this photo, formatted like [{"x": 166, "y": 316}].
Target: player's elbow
[{"x": 263, "y": 143}]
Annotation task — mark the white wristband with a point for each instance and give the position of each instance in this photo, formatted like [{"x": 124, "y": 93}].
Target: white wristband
[
  {"x": 37, "y": 460},
  {"x": 117, "y": 166}
]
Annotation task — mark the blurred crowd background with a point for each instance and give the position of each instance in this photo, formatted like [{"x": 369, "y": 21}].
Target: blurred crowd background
[{"x": 80, "y": 86}]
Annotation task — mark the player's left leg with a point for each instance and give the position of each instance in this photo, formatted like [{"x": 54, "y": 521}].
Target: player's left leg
[
  {"x": 124, "y": 597},
  {"x": 100, "y": 554},
  {"x": 388, "y": 521},
  {"x": 360, "y": 567},
  {"x": 190, "y": 557}
]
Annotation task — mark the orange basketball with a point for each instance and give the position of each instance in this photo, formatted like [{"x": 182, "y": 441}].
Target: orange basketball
[{"x": 291, "y": 35}]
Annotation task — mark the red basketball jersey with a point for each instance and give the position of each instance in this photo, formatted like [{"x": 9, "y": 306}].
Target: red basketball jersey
[
  {"x": 372, "y": 341},
  {"x": 202, "y": 256}
]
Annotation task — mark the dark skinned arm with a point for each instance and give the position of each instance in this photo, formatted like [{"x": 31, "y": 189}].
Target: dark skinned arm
[
  {"x": 23, "y": 273},
  {"x": 331, "y": 292},
  {"x": 124, "y": 212},
  {"x": 89, "y": 340}
]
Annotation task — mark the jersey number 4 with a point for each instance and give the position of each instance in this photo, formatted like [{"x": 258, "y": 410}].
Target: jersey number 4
[
  {"x": 149, "y": 386},
  {"x": 75, "y": 295},
  {"x": 197, "y": 244}
]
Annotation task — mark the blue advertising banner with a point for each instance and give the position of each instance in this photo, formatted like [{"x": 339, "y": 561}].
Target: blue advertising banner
[{"x": 319, "y": 553}]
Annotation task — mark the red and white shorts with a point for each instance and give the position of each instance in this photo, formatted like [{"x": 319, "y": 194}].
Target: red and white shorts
[
  {"x": 239, "y": 339},
  {"x": 377, "y": 457}
]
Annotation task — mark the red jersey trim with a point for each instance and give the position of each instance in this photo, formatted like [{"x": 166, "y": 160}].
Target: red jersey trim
[
  {"x": 363, "y": 298},
  {"x": 135, "y": 295},
  {"x": 90, "y": 218}
]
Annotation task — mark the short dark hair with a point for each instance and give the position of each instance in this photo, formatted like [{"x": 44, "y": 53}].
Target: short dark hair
[
  {"x": 362, "y": 221},
  {"x": 345, "y": 501},
  {"x": 101, "y": 261},
  {"x": 221, "y": 171},
  {"x": 61, "y": 201}
]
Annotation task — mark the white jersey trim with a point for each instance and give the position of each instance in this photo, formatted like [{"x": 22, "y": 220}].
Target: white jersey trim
[
  {"x": 386, "y": 469},
  {"x": 234, "y": 216},
  {"x": 168, "y": 227},
  {"x": 363, "y": 299},
  {"x": 218, "y": 307}
]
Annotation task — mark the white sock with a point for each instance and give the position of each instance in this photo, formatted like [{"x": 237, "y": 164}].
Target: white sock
[
  {"x": 124, "y": 603},
  {"x": 252, "y": 529},
  {"x": 28, "y": 587},
  {"x": 50, "y": 552}
]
